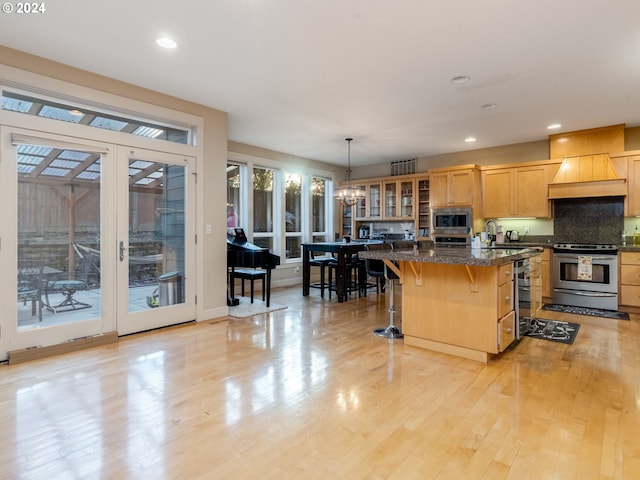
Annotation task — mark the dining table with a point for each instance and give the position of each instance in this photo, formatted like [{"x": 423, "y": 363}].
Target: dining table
[{"x": 341, "y": 251}]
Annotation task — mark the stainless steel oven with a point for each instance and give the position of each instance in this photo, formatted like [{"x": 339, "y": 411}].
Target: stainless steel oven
[
  {"x": 451, "y": 221},
  {"x": 585, "y": 275}
]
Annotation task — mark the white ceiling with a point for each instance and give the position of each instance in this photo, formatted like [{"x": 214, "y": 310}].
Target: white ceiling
[{"x": 299, "y": 76}]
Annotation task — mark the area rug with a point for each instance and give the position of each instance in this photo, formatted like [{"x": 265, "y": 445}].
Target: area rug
[
  {"x": 553, "y": 330},
  {"x": 247, "y": 309},
  {"x": 592, "y": 312}
]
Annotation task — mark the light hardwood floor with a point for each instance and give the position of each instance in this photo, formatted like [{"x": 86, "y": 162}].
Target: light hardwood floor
[{"x": 309, "y": 392}]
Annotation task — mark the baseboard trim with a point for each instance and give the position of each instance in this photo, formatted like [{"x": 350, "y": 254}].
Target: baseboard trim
[{"x": 34, "y": 353}]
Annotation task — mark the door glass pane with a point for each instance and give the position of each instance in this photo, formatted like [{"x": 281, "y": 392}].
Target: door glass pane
[
  {"x": 233, "y": 195},
  {"x": 58, "y": 236},
  {"x": 156, "y": 234}
]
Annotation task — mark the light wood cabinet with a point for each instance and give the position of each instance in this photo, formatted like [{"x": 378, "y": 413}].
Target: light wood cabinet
[
  {"x": 497, "y": 193},
  {"x": 506, "y": 314},
  {"x": 517, "y": 191},
  {"x": 629, "y": 279},
  {"x": 536, "y": 276},
  {"x": 454, "y": 187},
  {"x": 424, "y": 207},
  {"x": 399, "y": 199},
  {"x": 547, "y": 293},
  {"x": 633, "y": 198}
]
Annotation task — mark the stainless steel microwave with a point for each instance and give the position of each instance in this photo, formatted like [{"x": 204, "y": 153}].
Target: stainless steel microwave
[{"x": 451, "y": 221}]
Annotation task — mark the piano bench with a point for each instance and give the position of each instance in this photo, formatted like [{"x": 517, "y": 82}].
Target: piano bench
[{"x": 251, "y": 275}]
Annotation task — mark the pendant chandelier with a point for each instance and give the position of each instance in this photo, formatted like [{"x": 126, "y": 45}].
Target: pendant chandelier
[{"x": 348, "y": 194}]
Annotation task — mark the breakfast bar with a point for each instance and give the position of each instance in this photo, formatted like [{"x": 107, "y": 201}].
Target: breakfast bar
[{"x": 458, "y": 301}]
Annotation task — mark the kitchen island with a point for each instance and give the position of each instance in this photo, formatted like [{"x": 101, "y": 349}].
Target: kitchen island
[{"x": 458, "y": 301}]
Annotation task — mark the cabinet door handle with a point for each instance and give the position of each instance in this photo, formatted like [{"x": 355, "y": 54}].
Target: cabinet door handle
[{"x": 509, "y": 330}]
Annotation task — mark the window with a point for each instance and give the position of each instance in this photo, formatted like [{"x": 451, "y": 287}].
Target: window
[
  {"x": 319, "y": 209},
  {"x": 279, "y": 210},
  {"x": 263, "y": 207},
  {"x": 293, "y": 214},
  {"x": 234, "y": 183},
  {"x": 75, "y": 113}
]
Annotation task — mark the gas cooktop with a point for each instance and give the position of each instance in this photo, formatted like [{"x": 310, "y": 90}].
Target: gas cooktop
[{"x": 586, "y": 247}]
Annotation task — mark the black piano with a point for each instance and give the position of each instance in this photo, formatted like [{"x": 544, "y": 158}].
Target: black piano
[{"x": 243, "y": 254}]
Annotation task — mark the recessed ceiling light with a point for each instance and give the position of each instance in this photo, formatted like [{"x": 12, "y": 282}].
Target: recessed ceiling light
[
  {"x": 166, "y": 42},
  {"x": 470, "y": 139},
  {"x": 75, "y": 113},
  {"x": 554, "y": 126},
  {"x": 460, "y": 79},
  {"x": 489, "y": 106}
]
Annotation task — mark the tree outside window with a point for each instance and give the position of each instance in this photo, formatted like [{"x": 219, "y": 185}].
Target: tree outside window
[
  {"x": 318, "y": 209},
  {"x": 293, "y": 214},
  {"x": 263, "y": 183}
]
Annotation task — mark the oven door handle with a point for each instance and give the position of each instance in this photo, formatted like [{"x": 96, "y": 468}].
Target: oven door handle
[
  {"x": 575, "y": 257},
  {"x": 583, "y": 293}
]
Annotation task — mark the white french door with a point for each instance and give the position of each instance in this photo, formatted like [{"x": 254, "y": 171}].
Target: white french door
[
  {"x": 155, "y": 245},
  {"x": 94, "y": 237}
]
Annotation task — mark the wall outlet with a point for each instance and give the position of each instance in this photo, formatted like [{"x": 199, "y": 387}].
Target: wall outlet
[
  {"x": 297, "y": 269},
  {"x": 526, "y": 230}
]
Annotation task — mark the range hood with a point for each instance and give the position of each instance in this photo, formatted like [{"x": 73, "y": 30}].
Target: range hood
[{"x": 587, "y": 176}]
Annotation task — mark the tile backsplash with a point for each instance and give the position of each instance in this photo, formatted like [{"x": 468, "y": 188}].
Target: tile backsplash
[{"x": 589, "y": 220}]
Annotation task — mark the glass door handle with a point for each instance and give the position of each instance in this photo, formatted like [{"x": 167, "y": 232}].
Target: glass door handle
[{"x": 122, "y": 249}]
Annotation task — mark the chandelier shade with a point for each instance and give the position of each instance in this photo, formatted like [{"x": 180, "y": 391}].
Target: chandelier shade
[{"x": 349, "y": 195}]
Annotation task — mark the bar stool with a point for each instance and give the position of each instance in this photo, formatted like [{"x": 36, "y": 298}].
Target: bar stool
[
  {"x": 352, "y": 276},
  {"x": 381, "y": 269},
  {"x": 323, "y": 264},
  {"x": 375, "y": 270}
]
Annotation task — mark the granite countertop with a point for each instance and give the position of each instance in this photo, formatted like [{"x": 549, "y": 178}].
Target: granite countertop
[
  {"x": 629, "y": 248},
  {"x": 484, "y": 257}
]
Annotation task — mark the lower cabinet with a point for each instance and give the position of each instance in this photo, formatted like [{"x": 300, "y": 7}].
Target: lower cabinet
[
  {"x": 536, "y": 277},
  {"x": 547, "y": 292},
  {"x": 506, "y": 315},
  {"x": 629, "y": 288}
]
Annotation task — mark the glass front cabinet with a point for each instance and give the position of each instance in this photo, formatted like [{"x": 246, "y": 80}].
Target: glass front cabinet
[
  {"x": 424, "y": 210},
  {"x": 398, "y": 199}
]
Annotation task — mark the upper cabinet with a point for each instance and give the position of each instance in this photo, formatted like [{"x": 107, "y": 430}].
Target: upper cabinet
[
  {"x": 633, "y": 198},
  {"x": 517, "y": 191},
  {"x": 387, "y": 198},
  {"x": 423, "y": 206},
  {"x": 398, "y": 199},
  {"x": 452, "y": 187}
]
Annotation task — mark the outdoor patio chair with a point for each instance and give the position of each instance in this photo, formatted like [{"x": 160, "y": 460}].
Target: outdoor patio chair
[
  {"x": 68, "y": 285},
  {"x": 30, "y": 285}
]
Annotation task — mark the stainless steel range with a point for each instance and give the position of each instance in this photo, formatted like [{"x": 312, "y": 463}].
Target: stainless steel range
[{"x": 586, "y": 275}]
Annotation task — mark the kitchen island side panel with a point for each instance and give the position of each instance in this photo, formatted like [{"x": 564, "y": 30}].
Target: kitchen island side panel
[{"x": 451, "y": 305}]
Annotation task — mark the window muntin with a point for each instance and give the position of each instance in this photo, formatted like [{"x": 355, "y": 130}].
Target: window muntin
[{"x": 56, "y": 110}]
